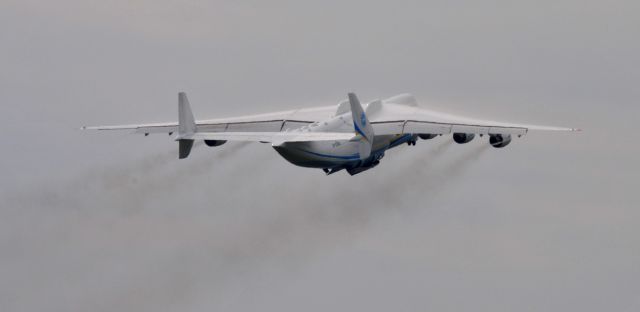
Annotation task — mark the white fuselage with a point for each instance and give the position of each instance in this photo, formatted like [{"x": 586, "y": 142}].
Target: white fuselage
[{"x": 336, "y": 154}]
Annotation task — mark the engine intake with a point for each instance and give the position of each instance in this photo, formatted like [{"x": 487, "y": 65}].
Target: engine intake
[
  {"x": 214, "y": 142},
  {"x": 427, "y": 136},
  {"x": 462, "y": 138},
  {"x": 499, "y": 140}
]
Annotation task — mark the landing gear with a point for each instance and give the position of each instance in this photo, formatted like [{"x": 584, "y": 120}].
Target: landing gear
[
  {"x": 329, "y": 171},
  {"x": 413, "y": 139}
]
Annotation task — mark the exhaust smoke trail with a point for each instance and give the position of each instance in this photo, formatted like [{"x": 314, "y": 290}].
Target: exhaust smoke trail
[
  {"x": 138, "y": 174},
  {"x": 88, "y": 215},
  {"x": 214, "y": 224},
  {"x": 433, "y": 180},
  {"x": 120, "y": 188},
  {"x": 125, "y": 175},
  {"x": 304, "y": 223}
]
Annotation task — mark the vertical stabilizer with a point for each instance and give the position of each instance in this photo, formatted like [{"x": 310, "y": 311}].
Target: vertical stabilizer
[
  {"x": 186, "y": 122},
  {"x": 361, "y": 126}
]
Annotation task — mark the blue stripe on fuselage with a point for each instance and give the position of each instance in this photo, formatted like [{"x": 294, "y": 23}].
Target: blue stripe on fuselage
[
  {"x": 404, "y": 138},
  {"x": 394, "y": 143},
  {"x": 347, "y": 157}
]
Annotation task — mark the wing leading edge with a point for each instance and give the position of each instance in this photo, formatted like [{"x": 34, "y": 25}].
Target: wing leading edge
[{"x": 397, "y": 117}]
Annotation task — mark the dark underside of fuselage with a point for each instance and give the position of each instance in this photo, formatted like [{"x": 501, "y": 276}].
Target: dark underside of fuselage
[{"x": 301, "y": 156}]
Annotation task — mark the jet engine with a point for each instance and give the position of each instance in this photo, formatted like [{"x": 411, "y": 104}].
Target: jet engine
[
  {"x": 499, "y": 140},
  {"x": 214, "y": 142},
  {"x": 462, "y": 138},
  {"x": 427, "y": 136}
]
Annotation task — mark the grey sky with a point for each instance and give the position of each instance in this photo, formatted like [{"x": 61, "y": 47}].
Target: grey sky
[{"x": 114, "y": 222}]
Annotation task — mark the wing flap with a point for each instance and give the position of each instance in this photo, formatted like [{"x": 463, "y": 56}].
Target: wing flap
[
  {"x": 267, "y": 126},
  {"x": 388, "y": 128},
  {"x": 142, "y": 128},
  {"x": 416, "y": 127},
  {"x": 426, "y": 127},
  {"x": 204, "y": 126}
]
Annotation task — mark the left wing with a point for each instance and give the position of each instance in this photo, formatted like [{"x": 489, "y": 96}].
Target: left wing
[{"x": 401, "y": 114}]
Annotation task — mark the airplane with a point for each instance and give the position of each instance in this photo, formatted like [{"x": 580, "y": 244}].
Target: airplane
[{"x": 349, "y": 136}]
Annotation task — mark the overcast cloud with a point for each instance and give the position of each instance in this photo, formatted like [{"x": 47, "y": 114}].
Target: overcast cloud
[{"x": 114, "y": 222}]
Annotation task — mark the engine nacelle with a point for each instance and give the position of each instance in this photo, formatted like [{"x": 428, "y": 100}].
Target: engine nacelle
[
  {"x": 462, "y": 138},
  {"x": 499, "y": 140},
  {"x": 427, "y": 136},
  {"x": 214, "y": 142}
]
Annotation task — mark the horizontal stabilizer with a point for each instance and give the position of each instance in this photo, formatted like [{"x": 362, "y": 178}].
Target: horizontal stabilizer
[{"x": 277, "y": 138}]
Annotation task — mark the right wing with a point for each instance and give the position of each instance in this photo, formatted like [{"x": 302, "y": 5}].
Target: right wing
[
  {"x": 276, "y": 128},
  {"x": 271, "y": 122}
]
